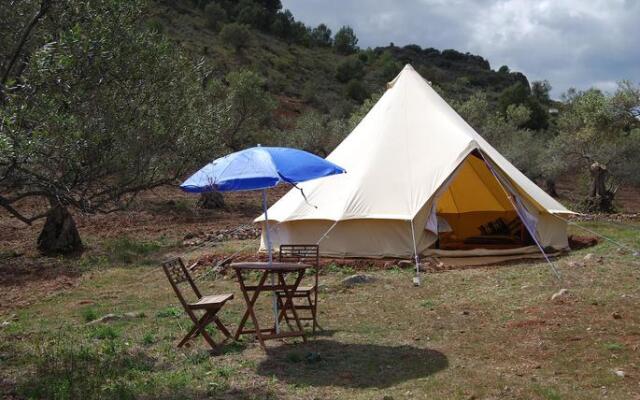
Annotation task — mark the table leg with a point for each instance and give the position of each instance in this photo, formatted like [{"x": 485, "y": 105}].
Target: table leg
[
  {"x": 250, "y": 304},
  {"x": 289, "y": 295}
]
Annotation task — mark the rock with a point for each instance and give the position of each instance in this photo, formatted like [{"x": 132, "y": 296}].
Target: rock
[
  {"x": 405, "y": 264},
  {"x": 189, "y": 235},
  {"x": 465, "y": 312},
  {"x": 576, "y": 264},
  {"x": 619, "y": 373},
  {"x": 357, "y": 279},
  {"x": 593, "y": 258},
  {"x": 134, "y": 315},
  {"x": 616, "y": 315},
  {"x": 560, "y": 293},
  {"x": 105, "y": 318},
  {"x": 4, "y": 324}
]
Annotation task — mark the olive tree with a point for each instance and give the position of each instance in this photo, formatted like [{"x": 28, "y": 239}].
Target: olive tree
[
  {"x": 600, "y": 135},
  {"x": 100, "y": 110}
]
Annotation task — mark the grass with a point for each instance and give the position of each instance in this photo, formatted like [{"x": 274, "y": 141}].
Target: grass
[{"x": 476, "y": 333}]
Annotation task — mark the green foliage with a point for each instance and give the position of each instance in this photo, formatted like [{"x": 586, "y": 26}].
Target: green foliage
[
  {"x": 65, "y": 369},
  {"x": 350, "y": 68},
  {"x": 247, "y": 110},
  {"x": 315, "y": 133},
  {"x": 126, "y": 250},
  {"x": 524, "y": 148},
  {"x": 105, "y": 332},
  {"x": 235, "y": 35},
  {"x": 388, "y": 66},
  {"x": 148, "y": 339},
  {"x": 89, "y": 314},
  {"x": 356, "y": 90},
  {"x": 321, "y": 36},
  {"x": 216, "y": 16},
  {"x": 596, "y": 127},
  {"x": 169, "y": 312},
  {"x": 109, "y": 109},
  {"x": 345, "y": 41}
]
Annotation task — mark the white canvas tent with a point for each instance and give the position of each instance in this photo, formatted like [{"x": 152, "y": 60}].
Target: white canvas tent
[{"x": 410, "y": 158}]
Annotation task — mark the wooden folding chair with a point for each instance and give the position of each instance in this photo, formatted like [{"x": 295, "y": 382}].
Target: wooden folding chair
[
  {"x": 210, "y": 305},
  {"x": 309, "y": 254}
]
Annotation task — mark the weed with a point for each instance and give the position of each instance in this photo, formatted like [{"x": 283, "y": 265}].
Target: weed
[
  {"x": 548, "y": 393},
  {"x": 67, "y": 369},
  {"x": 148, "y": 339},
  {"x": 169, "y": 312},
  {"x": 428, "y": 304},
  {"x": 89, "y": 314},
  {"x": 614, "y": 346},
  {"x": 105, "y": 332},
  {"x": 198, "y": 357}
]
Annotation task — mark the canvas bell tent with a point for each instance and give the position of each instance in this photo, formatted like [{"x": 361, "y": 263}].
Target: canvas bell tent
[{"x": 419, "y": 180}]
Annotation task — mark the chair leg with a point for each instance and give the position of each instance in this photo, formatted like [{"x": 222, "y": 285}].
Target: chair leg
[
  {"x": 222, "y": 328},
  {"x": 202, "y": 329},
  {"x": 188, "y": 336}
]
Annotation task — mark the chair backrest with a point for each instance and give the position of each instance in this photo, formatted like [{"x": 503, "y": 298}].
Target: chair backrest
[
  {"x": 307, "y": 253},
  {"x": 177, "y": 273}
]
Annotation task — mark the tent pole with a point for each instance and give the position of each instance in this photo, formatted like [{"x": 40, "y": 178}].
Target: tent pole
[
  {"x": 270, "y": 251},
  {"x": 522, "y": 218},
  {"x": 416, "y": 281}
]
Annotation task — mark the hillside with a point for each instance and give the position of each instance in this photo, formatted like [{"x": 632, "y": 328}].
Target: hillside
[{"x": 305, "y": 76}]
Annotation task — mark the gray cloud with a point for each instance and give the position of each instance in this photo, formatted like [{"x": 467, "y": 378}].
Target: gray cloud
[{"x": 571, "y": 43}]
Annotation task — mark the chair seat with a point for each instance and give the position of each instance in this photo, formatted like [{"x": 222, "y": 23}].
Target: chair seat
[
  {"x": 212, "y": 300},
  {"x": 300, "y": 291}
]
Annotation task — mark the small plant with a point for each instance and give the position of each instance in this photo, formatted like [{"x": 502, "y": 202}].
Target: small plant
[
  {"x": 614, "y": 346},
  {"x": 198, "y": 357},
  {"x": 169, "y": 312},
  {"x": 105, "y": 332},
  {"x": 427, "y": 304},
  {"x": 223, "y": 371},
  {"x": 89, "y": 314},
  {"x": 148, "y": 339}
]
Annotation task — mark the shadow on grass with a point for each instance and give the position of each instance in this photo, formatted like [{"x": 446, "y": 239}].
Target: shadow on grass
[{"x": 331, "y": 363}]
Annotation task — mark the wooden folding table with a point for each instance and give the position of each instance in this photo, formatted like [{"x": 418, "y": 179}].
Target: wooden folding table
[{"x": 279, "y": 270}]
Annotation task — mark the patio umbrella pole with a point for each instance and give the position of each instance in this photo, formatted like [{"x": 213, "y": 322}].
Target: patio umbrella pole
[{"x": 270, "y": 252}]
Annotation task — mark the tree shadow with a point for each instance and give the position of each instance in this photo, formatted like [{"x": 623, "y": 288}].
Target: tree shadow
[{"x": 330, "y": 363}]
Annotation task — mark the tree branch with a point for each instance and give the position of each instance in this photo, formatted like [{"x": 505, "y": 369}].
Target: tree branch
[{"x": 44, "y": 5}]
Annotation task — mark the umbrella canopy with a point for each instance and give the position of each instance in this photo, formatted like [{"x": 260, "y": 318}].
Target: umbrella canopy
[{"x": 259, "y": 168}]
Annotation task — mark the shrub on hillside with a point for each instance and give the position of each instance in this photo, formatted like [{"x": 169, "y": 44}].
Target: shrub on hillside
[
  {"x": 321, "y": 36},
  {"x": 216, "y": 16},
  {"x": 350, "y": 68},
  {"x": 236, "y": 35},
  {"x": 356, "y": 90},
  {"x": 345, "y": 41}
]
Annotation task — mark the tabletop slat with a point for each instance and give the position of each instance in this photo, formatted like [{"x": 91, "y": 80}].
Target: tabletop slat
[{"x": 266, "y": 266}]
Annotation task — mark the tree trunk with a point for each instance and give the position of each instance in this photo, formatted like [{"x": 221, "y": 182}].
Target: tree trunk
[
  {"x": 211, "y": 201},
  {"x": 59, "y": 234},
  {"x": 600, "y": 198},
  {"x": 551, "y": 187}
]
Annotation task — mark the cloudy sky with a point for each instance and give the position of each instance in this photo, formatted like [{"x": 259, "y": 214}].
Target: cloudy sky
[{"x": 571, "y": 43}]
